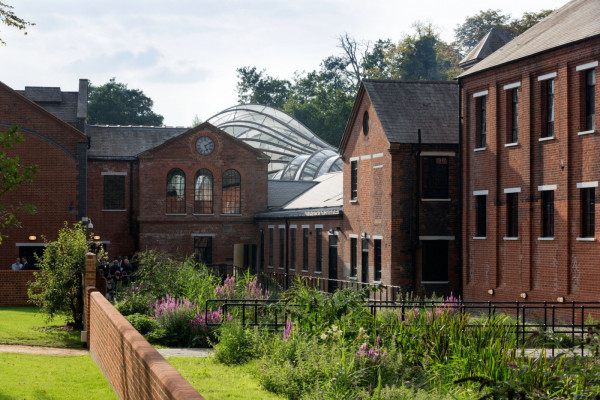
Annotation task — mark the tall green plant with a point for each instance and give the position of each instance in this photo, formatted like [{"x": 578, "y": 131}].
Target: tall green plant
[{"x": 58, "y": 286}]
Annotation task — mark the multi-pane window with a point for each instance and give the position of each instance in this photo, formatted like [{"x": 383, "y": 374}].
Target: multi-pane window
[
  {"x": 480, "y": 230},
  {"x": 377, "y": 259},
  {"x": 281, "y": 247},
  {"x": 514, "y": 116},
  {"x": 353, "y": 180},
  {"x": 292, "y": 248},
  {"x": 588, "y": 206},
  {"x": 203, "y": 249},
  {"x": 434, "y": 254},
  {"x": 353, "y": 256},
  {"x": 512, "y": 215},
  {"x": 114, "y": 192},
  {"x": 176, "y": 192},
  {"x": 365, "y": 260},
  {"x": 305, "y": 249},
  {"x": 549, "y": 109},
  {"x": 435, "y": 177},
  {"x": 481, "y": 104},
  {"x": 319, "y": 250},
  {"x": 203, "y": 192},
  {"x": 548, "y": 213},
  {"x": 590, "y": 99},
  {"x": 271, "y": 247},
  {"x": 232, "y": 192}
]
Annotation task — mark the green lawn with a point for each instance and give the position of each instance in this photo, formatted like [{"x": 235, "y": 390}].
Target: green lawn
[
  {"x": 27, "y": 376},
  {"x": 216, "y": 381},
  {"x": 25, "y": 326}
]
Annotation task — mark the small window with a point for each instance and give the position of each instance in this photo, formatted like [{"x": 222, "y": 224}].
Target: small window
[
  {"x": 590, "y": 99},
  {"x": 203, "y": 193},
  {"x": 514, "y": 116},
  {"x": 281, "y": 247},
  {"x": 480, "y": 230},
  {"x": 548, "y": 213},
  {"x": 434, "y": 254},
  {"x": 319, "y": 250},
  {"x": 377, "y": 255},
  {"x": 203, "y": 249},
  {"x": 435, "y": 177},
  {"x": 365, "y": 261},
  {"x": 114, "y": 192},
  {"x": 304, "y": 249},
  {"x": 271, "y": 247},
  {"x": 292, "y": 248},
  {"x": 512, "y": 215},
  {"x": 353, "y": 180},
  {"x": 481, "y": 104},
  {"x": 366, "y": 123},
  {"x": 548, "y": 127},
  {"x": 232, "y": 200},
  {"x": 588, "y": 212},
  {"x": 176, "y": 192},
  {"x": 353, "y": 257}
]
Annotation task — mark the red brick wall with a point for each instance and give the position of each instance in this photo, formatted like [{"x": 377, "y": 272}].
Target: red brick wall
[
  {"x": 13, "y": 288},
  {"x": 544, "y": 269}
]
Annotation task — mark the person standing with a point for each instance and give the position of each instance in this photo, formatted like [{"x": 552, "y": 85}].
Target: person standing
[
  {"x": 26, "y": 265},
  {"x": 17, "y": 266}
]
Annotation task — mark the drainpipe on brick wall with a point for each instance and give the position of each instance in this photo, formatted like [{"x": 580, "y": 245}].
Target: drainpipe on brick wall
[
  {"x": 459, "y": 211},
  {"x": 415, "y": 243}
]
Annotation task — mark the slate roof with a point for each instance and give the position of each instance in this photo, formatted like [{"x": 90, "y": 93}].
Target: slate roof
[
  {"x": 491, "y": 42},
  {"x": 282, "y": 192},
  {"x": 575, "y": 21},
  {"x": 126, "y": 142},
  {"x": 61, "y": 104},
  {"x": 403, "y": 107}
]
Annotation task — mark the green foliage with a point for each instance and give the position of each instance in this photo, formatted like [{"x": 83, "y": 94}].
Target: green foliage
[
  {"x": 256, "y": 87},
  {"x": 131, "y": 300},
  {"x": 142, "y": 323},
  {"x": 173, "y": 322},
  {"x": 114, "y": 104},
  {"x": 236, "y": 344},
  {"x": 58, "y": 287},
  {"x": 10, "y": 19},
  {"x": 12, "y": 174}
]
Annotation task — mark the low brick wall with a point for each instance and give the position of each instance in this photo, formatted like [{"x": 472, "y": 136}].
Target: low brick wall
[
  {"x": 13, "y": 287},
  {"x": 130, "y": 364}
]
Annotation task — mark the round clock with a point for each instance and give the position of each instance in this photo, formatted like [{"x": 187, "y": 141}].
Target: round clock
[{"x": 205, "y": 145}]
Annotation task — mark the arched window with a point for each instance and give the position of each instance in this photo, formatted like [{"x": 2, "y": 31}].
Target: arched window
[
  {"x": 203, "y": 193},
  {"x": 232, "y": 193},
  {"x": 176, "y": 192}
]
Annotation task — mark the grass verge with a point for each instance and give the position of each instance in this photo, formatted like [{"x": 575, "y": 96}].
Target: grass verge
[
  {"x": 27, "y": 376},
  {"x": 25, "y": 326},
  {"x": 216, "y": 381}
]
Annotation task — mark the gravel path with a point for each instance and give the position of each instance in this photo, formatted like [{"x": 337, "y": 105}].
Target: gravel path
[{"x": 56, "y": 351}]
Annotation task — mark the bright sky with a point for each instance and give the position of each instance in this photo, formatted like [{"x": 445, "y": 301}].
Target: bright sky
[{"x": 184, "y": 53}]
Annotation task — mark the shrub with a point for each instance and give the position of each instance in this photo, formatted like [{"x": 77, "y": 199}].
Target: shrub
[
  {"x": 237, "y": 344},
  {"x": 204, "y": 325},
  {"x": 143, "y": 323},
  {"x": 173, "y": 318},
  {"x": 133, "y": 301}
]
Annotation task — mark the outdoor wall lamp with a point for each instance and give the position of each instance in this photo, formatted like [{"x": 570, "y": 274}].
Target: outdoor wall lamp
[
  {"x": 96, "y": 237},
  {"x": 561, "y": 299},
  {"x": 32, "y": 237},
  {"x": 491, "y": 291},
  {"x": 524, "y": 295},
  {"x": 86, "y": 219}
]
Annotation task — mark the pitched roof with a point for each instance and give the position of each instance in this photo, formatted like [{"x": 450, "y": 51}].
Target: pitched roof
[
  {"x": 404, "y": 107},
  {"x": 491, "y": 42},
  {"x": 575, "y": 21},
  {"x": 282, "y": 192},
  {"x": 127, "y": 141}
]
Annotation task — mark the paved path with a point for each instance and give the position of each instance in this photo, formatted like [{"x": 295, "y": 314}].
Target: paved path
[
  {"x": 56, "y": 351},
  {"x": 186, "y": 352}
]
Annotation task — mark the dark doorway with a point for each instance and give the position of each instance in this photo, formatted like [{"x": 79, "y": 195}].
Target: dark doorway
[
  {"x": 203, "y": 249},
  {"x": 30, "y": 252},
  {"x": 365, "y": 261},
  {"x": 333, "y": 256},
  {"x": 434, "y": 254}
]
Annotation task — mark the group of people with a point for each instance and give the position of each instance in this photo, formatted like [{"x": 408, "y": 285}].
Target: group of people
[
  {"x": 118, "y": 270},
  {"x": 21, "y": 264}
]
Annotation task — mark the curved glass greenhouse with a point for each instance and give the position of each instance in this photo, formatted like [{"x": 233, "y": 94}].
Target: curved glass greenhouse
[{"x": 296, "y": 153}]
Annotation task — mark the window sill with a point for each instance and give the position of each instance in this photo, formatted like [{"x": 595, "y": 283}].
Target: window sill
[
  {"x": 173, "y": 214},
  {"x": 511, "y": 144},
  {"x": 435, "y": 199},
  {"x": 479, "y": 237},
  {"x": 281, "y": 268},
  {"x": 547, "y": 239},
  {"x": 304, "y": 270},
  {"x": 480, "y": 149},
  {"x": 318, "y": 272},
  {"x": 545, "y": 139},
  {"x": 353, "y": 278},
  {"x": 435, "y": 282},
  {"x": 114, "y": 210},
  {"x": 231, "y": 215},
  {"x": 203, "y": 214},
  {"x": 510, "y": 238},
  {"x": 353, "y": 201},
  {"x": 586, "y": 239},
  {"x": 376, "y": 282},
  {"x": 291, "y": 269},
  {"x": 586, "y": 132},
  {"x": 269, "y": 266}
]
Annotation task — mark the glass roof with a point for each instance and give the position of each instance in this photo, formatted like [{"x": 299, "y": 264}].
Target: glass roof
[{"x": 274, "y": 132}]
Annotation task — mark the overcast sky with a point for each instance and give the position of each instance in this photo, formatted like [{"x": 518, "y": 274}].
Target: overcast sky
[{"x": 184, "y": 53}]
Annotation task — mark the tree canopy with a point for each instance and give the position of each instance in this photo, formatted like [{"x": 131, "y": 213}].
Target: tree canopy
[
  {"x": 114, "y": 104},
  {"x": 10, "y": 19}
]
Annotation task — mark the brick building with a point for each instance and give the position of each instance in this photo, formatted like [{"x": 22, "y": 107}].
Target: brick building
[
  {"x": 530, "y": 145},
  {"x": 400, "y": 224}
]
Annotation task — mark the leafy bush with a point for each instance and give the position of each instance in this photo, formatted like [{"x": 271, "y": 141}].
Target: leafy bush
[
  {"x": 173, "y": 318},
  {"x": 237, "y": 344},
  {"x": 205, "y": 324},
  {"x": 133, "y": 301},
  {"x": 143, "y": 323}
]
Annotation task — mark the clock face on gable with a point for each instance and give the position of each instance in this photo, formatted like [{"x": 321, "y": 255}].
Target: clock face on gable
[{"x": 205, "y": 145}]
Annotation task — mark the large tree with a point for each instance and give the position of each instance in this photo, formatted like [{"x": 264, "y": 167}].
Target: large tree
[
  {"x": 114, "y": 104},
  {"x": 8, "y": 18},
  {"x": 13, "y": 173}
]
